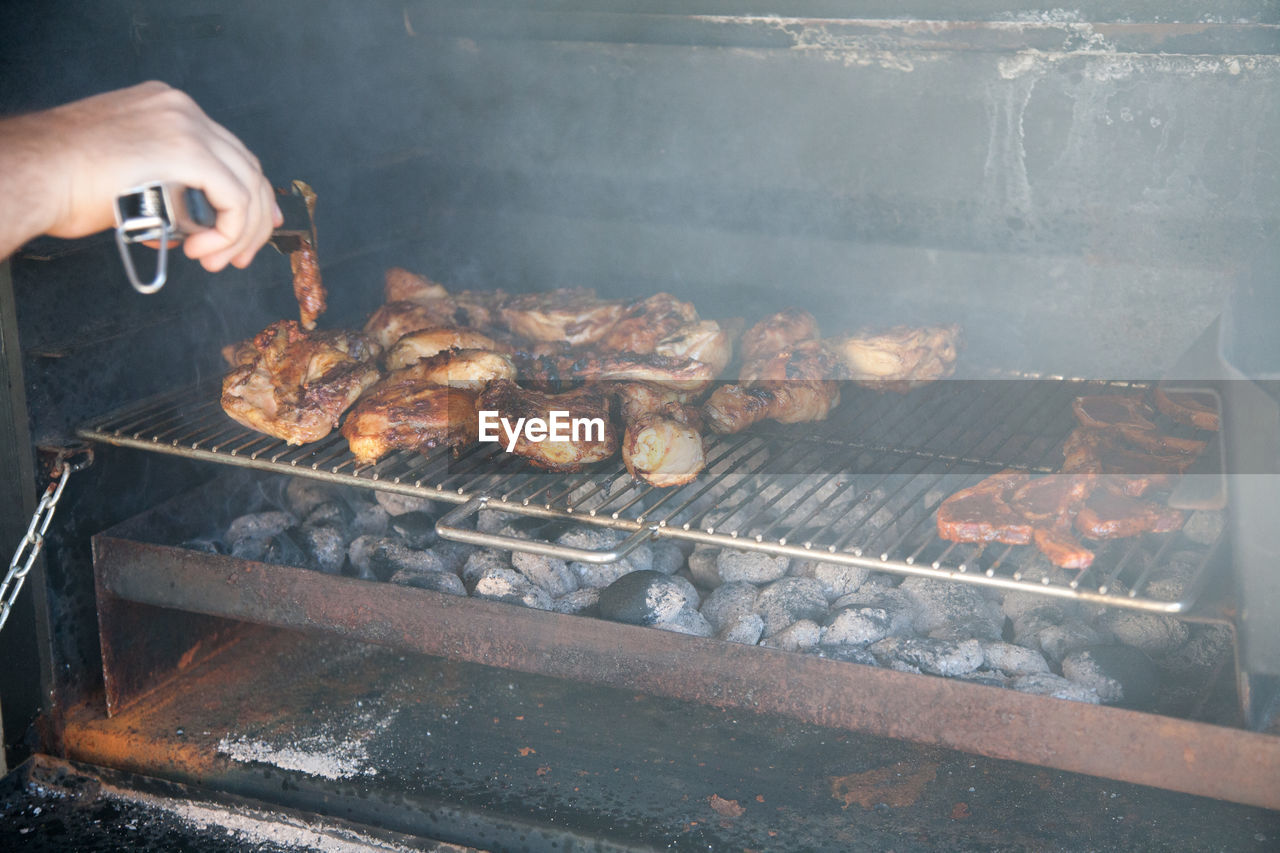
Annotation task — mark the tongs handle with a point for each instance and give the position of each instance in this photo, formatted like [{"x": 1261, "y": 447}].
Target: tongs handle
[{"x": 162, "y": 213}]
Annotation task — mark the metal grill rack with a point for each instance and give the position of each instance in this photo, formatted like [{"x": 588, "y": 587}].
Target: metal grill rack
[{"x": 860, "y": 489}]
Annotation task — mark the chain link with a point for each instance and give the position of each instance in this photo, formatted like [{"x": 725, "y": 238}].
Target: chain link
[{"x": 29, "y": 548}]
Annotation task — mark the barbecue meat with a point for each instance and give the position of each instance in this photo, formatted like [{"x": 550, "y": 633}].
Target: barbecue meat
[
  {"x": 662, "y": 450},
  {"x": 1193, "y": 408},
  {"x": 683, "y": 374},
  {"x": 1053, "y": 496},
  {"x": 295, "y": 385},
  {"x": 307, "y": 287},
  {"x": 646, "y": 321},
  {"x": 703, "y": 341},
  {"x": 577, "y": 317},
  {"x": 471, "y": 308},
  {"x": 1112, "y": 411},
  {"x": 409, "y": 414},
  {"x": 1111, "y": 514},
  {"x": 394, "y": 320},
  {"x": 641, "y": 398},
  {"x": 1051, "y": 503},
  {"x": 468, "y": 369},
  {"x": 425, "y": 343},
  {"x": 662, "y": 444},
  {"x": 777, "y": 333},
  {"x": 982, "y": 513},
  {"x": 795, "y": 386},
  {"x": 404, "y": 286},
  {"x": 901, "y": 358},
  {"x": 1132, "y": 470},
  {"x": 1059, "y": 544},
  {"x": 513, "y": 403}
]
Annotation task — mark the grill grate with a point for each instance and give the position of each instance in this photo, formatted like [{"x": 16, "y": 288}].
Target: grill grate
[{"x": 860, "y": 489}]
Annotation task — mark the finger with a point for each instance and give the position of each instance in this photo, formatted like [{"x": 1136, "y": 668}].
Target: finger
[
  {"x": 271, "y": 219},
  {"x": 257, "y": 228}
]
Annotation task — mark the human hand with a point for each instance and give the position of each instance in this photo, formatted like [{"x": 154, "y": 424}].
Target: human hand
[{"x": 71, "y": 162}]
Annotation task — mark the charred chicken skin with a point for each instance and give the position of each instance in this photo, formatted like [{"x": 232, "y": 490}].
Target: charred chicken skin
[
  {"x": 468, "y": 369},
  {"x": 425, "y": 343},
  {"x": 551, "y": 371},
  {"x": 704, "y": 341},
  {"x": 407, "y": 413},
  {"x": 646, "y": 322},
  {"x": 473, "y": 309},
  {"x": 295, "y": 385},
  {"x": 515, "y": 406},
  {"x": 901, "y": 358},
  {"x": 394, "y": 320},
  {"x": 576, "y": 317},
  {"x": 777, "y": 333},
  {"x": 795, "y": 386}
]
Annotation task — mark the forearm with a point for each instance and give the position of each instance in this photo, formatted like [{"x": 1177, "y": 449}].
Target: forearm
[
  {"x": 62, "y": 169},
  {"x": 30, "y": 161}
]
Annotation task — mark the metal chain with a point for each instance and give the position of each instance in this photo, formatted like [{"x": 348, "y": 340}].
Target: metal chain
[{"x": 29, "y": 548}]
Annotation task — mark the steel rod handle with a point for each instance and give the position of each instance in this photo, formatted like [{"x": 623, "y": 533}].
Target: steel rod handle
[{"x": 446, "y": 528}]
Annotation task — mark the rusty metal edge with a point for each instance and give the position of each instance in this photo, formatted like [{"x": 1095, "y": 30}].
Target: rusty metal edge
[{"x": 1146, "y": 749}]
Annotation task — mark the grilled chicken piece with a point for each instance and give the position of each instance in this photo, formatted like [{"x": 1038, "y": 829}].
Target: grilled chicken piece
[
  {"x": 901, "y": 358},
  {"x": 468, "y": 369},
  {"x": 1192, "y": 408},
  {"x": 1111, "y": 514},
  {"x": 474, "y": 309},
  {"x": 981, "y": 513},
  {"x": 662, "y": 450},
  {"x": 778, "y": 333},
  {"x": 425, "y": 343},
  {"x": 577, "y": 317},
  {"x": 404, "y": 286},
  {"x": 514, "y": 403},
  {"x": 295, "y": 385},
  {"x": 795, "y": 386},
  {"x": 641, "y": 398},
  {"x": 645, "y": 322},
  {"x": 662, "y": 444},
  {"x": 394, "y": 320},
  {"x": 682, "y": 374},
  {"x": 409, "y": 414},
  {"x": 307, "y": 287},
  {"x": 703, "y": 341}
]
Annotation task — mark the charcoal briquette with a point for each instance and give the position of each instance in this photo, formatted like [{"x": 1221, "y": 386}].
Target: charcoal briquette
[
  {"x": 417, "y": 529},
  {"x": 642, "y": 598},
  {"x": 445, "y": 582}
]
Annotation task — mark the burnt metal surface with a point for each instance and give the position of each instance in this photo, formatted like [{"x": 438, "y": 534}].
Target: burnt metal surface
[
  {"x": 510, "y": 761},
  {"x": 829, "y": 486},
  {"x": 49, "y": 804},
  {"x": 1177, "y": 754}
]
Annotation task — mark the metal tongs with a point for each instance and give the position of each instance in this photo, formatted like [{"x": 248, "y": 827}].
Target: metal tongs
[{"x": 164, "y": 213}]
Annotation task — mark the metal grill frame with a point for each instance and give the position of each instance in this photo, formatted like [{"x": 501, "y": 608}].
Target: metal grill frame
[{"x": 1012, "y": 430}]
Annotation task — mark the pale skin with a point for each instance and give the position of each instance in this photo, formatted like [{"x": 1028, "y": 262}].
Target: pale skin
[{"x": 61, "y": 170}]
